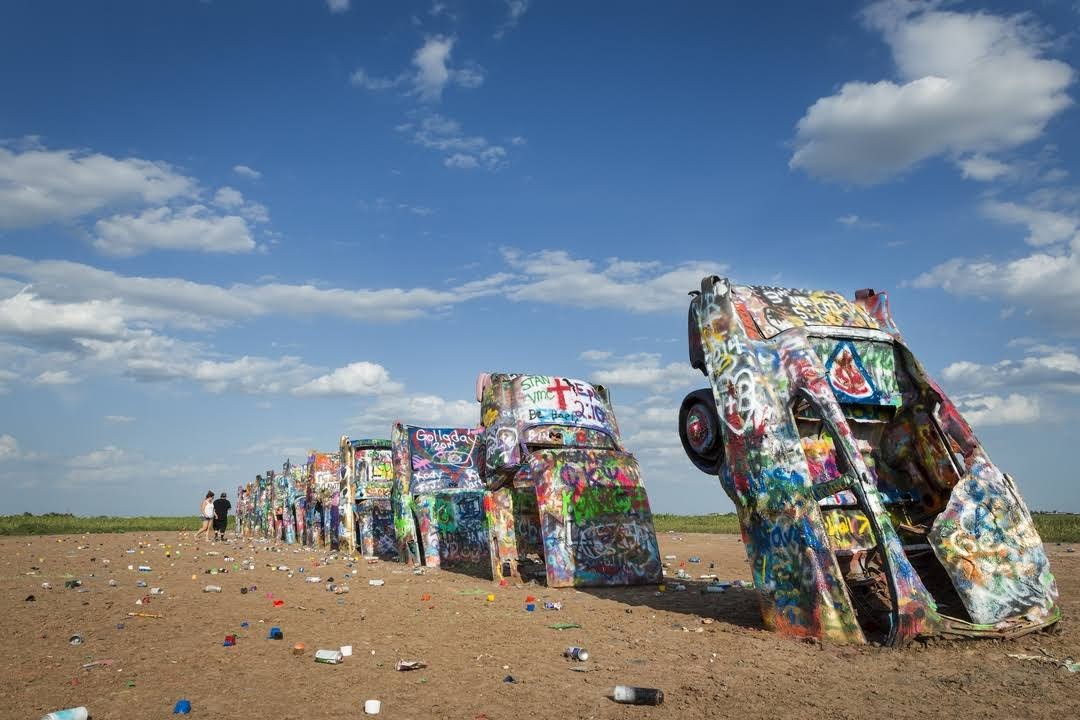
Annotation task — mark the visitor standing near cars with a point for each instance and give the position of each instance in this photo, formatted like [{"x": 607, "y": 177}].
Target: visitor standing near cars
[
  {"x": 207, "y": 512},
  {"x": 221, "y": 516}
]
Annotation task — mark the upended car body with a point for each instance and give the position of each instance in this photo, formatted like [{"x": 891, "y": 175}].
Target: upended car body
[
  {"x": 565, "y": 491},
  {"x": 369, "y": 480},
  {"x": 868, "y": 508},
  {"x": 438, "y": 499}
]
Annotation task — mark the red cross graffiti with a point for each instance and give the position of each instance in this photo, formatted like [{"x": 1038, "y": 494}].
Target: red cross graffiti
[{"x": 558, "y": 388}]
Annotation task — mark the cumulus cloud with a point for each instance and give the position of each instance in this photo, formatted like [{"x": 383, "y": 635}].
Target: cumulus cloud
[
  {"x": 358, "y": 378},
  {"x": 414, "y": 409},
  {"x": 338, "y": 6},
  {"x": 39, "y": 186},
  {"x": 968, "y": 84},
  {"x": 108, "y": 456},
  {"x": 1046, "y": 281},
  {"x": 118, "y": 419},
  {"x": 982, "y": 168},
  {"x": 431, "y": 72},
  {"x": 641, "y": 370},
  {"x": 247, "y": 172},
  {"x": 28, "y": 315},
  {"x": 1045, "y": 368},
  {"x": 988, "y": 410},
  {"x": 191, "y": 228},
  {"x": 554, "y": 276}
]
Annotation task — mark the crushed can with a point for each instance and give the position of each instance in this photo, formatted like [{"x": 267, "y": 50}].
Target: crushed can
[
  {"x": 576, "y": 653},
  {"x": 629, "y": 695}
]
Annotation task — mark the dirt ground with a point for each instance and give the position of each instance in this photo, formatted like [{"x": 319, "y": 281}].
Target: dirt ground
[{"x": 724, "y": 668}]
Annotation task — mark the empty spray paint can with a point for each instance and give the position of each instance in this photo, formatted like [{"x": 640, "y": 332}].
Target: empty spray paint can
[
  {"x": 212, "y": 589},
  {"x": 576, "y": 653},
  {"x": 630, "y": 695}
]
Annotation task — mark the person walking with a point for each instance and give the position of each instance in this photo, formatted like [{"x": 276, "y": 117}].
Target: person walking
[
  {"x": 207, "y": 512},
  {"x": 221, "y": 516}
]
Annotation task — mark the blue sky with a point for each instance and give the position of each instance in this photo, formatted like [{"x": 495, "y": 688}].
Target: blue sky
[{"x": 233, "y": 231}]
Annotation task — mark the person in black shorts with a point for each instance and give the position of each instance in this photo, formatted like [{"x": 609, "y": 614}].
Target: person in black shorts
[{"x": 221, "y": 516}]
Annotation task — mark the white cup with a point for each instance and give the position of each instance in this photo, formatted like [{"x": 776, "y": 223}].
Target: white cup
[
  {"x": 346, "y": 650},
  {"x": 372, "y": 707}
]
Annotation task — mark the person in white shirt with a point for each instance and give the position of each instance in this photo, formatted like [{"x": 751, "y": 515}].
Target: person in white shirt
[{"x": 207, "y": 515}]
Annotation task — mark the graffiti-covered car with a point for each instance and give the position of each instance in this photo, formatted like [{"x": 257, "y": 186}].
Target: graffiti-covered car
[
  {"x": 869, "y": 510},
  {"x": 369, "y": 476},
  {"x": 322, "y": 500},
  {"x": 438, "y": 500},
  {"x": 565, "y": 490}
]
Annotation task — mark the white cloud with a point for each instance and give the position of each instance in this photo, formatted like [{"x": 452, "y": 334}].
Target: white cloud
[
  {"x": 118, "y": 419},
  {"x": 191, "y": 228},
  {"x": 514, "y": 10},
  {"x": 28, "y": 315},
  {"x": 987, "y": 410},
  {"x": 9, "y": 448},
  {"x": 461, "y": 161},
  {"x": 855, "y": 221},
  {"x": 594, "y": 355},
  {"x": 248, "y": 172},
  {"x": 184, "y": 303},
  {"x": 362, "y": 79},
  {"x": 6, "y": 378},
  {"x": 442, "y": 134},
  {"x": 338, "y": 6},
  {"x": 106, "y": 457},
  {"x": 1045, "y": 227},
  {"x": 279, "y": 447},
  {"x": 55, "y": 377},
  {"x": 982, "y": 168},
  {"x": 967, "y": 83},
  {"x": 40, "y": 186},
  {"x": 417, "y": 409},
  {"x": 431, "y": 72},
  {"x": 1046, "y": 368},
  {"x": 1046, "y": 281},
  {"x": 358, "y": 378},
  {"x": 228, "y": 197},
  {"x": 642, "y": 370},
  {"x": 553, "y": 276}
]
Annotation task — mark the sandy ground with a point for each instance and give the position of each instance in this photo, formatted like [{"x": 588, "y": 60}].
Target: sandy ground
[{"x": 725, "y": 668}]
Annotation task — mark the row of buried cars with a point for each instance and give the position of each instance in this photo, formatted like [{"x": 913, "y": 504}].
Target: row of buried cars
[
  {"x": 869, "y": 510},
  {"x": 542, "y": 489}
]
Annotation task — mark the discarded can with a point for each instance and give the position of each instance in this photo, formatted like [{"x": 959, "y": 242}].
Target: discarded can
[
  {"x": 276, "y": 634},
  {"x": 313, "y": 579},
  {"x": 376, "y": 583},
  {"x": 156, "y": 591},
  {"x": 76, "y": 640},
  {"x": 693, "y": 559},
  {"x": 553, "y": 606},
  {"x": 141, "y": 583},
  {"x": 48, "y": 586},
  {"x": 182, "y": 707},
  {"x": 372, "y": 707},
  {"x": 78, "y": 713},
  {"x": 530, "y": 607},
  {"x": 715, "y": 588},
  {"x": 212, "y": 589},
  {"x": 144, "y": 568},
  {"x": 576, "y": 653},
  {"x": 404, "y": 665},
  {"x": 230, "y": 640},
  {"x": 243, "y": 591},
  {"x": 330, "y": 657},
  {"x": 630, "y": 695},
  {"x": 298, "y": 649}
]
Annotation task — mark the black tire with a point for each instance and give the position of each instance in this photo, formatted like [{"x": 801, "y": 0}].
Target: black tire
[{"x": 704, "y": 443}]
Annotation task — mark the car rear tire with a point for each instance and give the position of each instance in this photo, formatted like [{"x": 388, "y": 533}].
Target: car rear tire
[{"x": 700, "y": 432}]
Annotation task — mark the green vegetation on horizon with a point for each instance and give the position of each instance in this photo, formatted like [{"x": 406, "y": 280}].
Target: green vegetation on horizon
[{"x": 1053, "y": 527}]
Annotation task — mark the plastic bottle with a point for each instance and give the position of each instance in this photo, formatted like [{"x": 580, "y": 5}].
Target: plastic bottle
[
  {"x": 212, "y": 588},
  {"x": 630, "y": 695},
  {"x": 78, "y": 713},
  {"x": 577, "y": 653}
]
